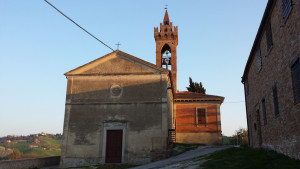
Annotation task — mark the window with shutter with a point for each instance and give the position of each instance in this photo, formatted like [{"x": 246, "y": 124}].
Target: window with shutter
[
  {"x": 269, "y": 36},
  {"x": 259, "y": 60},
  {"x": 201, "y": 116},
  {"x": 275, "y": 99},
  {"x": 296, "y": 79},
  {"x": 286, "y": 8}
]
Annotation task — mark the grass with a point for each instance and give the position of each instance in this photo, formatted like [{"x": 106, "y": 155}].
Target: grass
[
  {"x": 52, "y": 145},
  {"x": 47, "y": 141},
  {"x": 248, "y": 158}
]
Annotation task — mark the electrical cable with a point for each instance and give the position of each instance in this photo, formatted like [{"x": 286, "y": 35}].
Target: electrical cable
[{"x": 78, "y": 25}]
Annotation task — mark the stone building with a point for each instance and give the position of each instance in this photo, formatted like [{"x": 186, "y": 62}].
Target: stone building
[
  {"x": 271, "y": 80},
  {"x": 121, "y": 109},
  {"x": 117, "y": 111}
]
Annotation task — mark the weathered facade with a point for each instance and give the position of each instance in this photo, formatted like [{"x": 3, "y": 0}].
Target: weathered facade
[
  {"x": 121, "y": 109},
  {"x": 272, "y": 80},
  {"x": 116, "y": 112}
]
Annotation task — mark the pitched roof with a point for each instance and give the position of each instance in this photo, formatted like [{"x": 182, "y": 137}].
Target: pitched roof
[
  {"x": 258, "y": 36},
  {"x": 119, "y": 54},
  {"x": 191, "y": 96}
]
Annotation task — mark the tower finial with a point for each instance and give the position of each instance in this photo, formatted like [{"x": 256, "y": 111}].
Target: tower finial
[
  {"x": 166, "y": 7},
  {"x": 166, "y": 18}
]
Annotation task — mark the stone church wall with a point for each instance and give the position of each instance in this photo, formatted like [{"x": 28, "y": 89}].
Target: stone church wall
[{"x": 137, "y": 104}]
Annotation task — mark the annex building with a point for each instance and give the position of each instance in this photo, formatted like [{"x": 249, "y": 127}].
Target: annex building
[
  {"x": 122, "y": 109},
  {"x": 272, "y": 80}
]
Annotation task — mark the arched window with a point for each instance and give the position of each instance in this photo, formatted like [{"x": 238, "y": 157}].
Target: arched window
[{"x": 166, "y": 57}]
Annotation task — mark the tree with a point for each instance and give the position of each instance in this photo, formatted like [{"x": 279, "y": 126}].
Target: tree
[
  {"x": 196, "y": 87},
  {"x": 240, "y": 137},
  {"x": 15, "y": 155}
]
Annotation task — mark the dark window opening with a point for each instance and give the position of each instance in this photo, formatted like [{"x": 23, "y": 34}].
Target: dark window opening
[
  {"x": 166, "y": 57},
  {"x": 254, "y": 126},
  {"x": 259, "y": 60},
  {"x": 246, "y": 86},
  {"x": 286, "y": 8},
  {"x": 275, "y": 99},
  {"x": 269, "y": 36},
  {"x": 296, "y": 79},
  {"x": 264, "y": 111}
]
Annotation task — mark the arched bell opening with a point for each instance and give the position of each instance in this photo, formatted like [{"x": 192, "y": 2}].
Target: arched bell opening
[{"x": 166, "y": 57}]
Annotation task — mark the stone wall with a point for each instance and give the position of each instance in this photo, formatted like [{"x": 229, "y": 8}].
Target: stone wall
[
  {"x": 277, "y": 132},
  {"x": 30, "y": 163}
]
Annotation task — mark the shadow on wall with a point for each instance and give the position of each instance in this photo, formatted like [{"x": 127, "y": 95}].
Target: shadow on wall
[{"x": 140, "y": 106}]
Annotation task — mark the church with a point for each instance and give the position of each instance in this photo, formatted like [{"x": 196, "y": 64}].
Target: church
[{"x": 122, "y": 109}]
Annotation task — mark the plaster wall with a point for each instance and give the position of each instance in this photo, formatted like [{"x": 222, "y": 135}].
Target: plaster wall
[{"x": 139, "y": 104}]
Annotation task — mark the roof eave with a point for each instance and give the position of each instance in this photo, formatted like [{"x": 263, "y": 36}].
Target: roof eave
[{"x": 257, "y": 37}]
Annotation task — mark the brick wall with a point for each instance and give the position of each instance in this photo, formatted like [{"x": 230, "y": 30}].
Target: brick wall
[
  {"x": 280, "y": 132},
  {"x": 187, "y": 129}
]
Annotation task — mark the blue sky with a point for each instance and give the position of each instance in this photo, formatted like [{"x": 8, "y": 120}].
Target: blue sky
[{"x": 38, "y": 45}]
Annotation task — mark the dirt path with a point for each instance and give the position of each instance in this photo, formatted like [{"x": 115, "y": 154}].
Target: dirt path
[{"x": 175, "y": 162}]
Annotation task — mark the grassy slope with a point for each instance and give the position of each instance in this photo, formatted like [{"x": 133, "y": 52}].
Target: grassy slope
[
  {"x": 248, "y": 158},
  {"x": 52, "y": 144}
]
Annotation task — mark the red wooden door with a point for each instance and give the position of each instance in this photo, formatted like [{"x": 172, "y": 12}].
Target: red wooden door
[{"x": 114, "y": 146}]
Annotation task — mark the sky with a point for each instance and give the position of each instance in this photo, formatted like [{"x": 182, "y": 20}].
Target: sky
[{"x": 38, "y": 45}]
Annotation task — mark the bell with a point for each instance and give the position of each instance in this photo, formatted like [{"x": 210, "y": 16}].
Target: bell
[{"x": 164, "y": 62}]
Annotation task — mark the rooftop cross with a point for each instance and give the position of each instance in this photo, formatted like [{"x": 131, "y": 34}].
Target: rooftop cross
[
  {"x": 166, "y": 7},
  {"x": 118, "y": 44}
]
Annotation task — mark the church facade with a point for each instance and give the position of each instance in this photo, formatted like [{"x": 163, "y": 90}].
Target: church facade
[{"x": 121, "y": 109}]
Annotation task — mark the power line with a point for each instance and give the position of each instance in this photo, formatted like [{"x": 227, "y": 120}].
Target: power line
[{"x": 78, "y": 25}]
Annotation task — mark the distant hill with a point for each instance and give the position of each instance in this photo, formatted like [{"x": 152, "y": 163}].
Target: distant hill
[{"x": 32, "y": 146}]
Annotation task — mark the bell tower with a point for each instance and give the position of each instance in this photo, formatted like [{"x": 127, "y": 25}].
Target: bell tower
[{"x": 166, "y": 39}]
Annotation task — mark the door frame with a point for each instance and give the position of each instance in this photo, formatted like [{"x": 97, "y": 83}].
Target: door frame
[{"x": 113, "y": 126}]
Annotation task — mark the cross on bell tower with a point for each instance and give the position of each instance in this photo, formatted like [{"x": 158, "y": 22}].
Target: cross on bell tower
[{"x": 166, "y": 39}]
